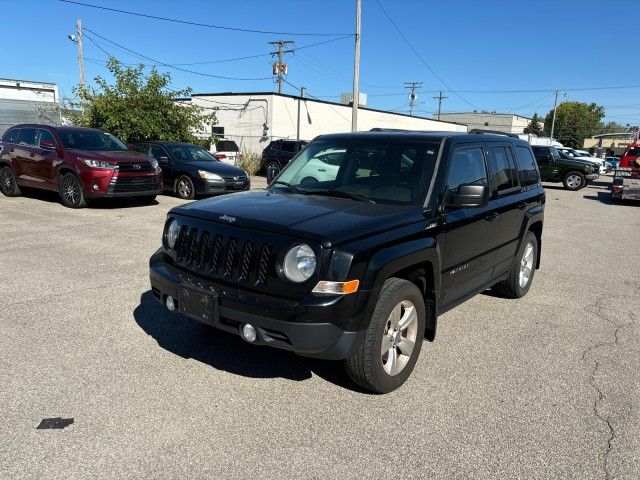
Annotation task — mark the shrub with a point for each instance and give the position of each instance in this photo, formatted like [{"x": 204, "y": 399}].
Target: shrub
[{"x": 249, "y": 162}]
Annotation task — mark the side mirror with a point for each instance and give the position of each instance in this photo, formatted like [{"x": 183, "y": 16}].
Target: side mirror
[
  {"x": 469, "y": 196},
  {"x": 47, "y": 145}
]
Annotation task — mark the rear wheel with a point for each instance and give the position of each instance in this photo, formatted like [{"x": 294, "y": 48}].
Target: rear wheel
[
  {"x": 71, "y": 191},
  {"x": 389, "y": 351},
  {"x": 521, "y": 274},
  {"x": 8, "y": 184},
  {"x": 185, "y": 188},
  {"x": 574, "y": 181}
]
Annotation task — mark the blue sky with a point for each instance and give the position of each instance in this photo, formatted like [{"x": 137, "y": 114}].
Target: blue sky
[{"x": 483, "y": 50}]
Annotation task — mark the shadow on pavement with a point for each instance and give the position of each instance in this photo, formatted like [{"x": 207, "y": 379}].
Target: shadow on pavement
[
  {"x": 605, "y": 197},
  {"x": 189, "y": 338},
  {"x": 101, "y": 204}
]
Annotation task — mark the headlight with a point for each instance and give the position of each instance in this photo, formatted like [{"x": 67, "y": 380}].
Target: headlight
[
  {"x": 99, "y": 164},
  {"x": 154, "y": 163},
  {"x": 210, "y": 176},
  {"x": 172, "y": 233},
  {"x": 299, "y": 263}
]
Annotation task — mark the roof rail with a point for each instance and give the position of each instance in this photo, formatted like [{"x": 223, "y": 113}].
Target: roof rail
[
  {"x": 476, "y": 131},
  {"x": 379, "y": 129}
]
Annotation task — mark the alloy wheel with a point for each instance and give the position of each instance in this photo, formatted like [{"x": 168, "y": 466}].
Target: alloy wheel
[
  {"x": 6, "y": 181},
  {"x": 574, "y": 181},
  {"x": 399, "y": 337},
  {"x": 184, "y": 189},
  {"x": 70, "y": 191},
  {"x": 526, "y": 265}
]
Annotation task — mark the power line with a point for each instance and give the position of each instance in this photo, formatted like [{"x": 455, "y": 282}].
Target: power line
[
  {"x": 406, "y": 40},
  {"x": 197, "y": 24},
  {"x": 281, "y": 68},
  {"x": 158, "y": 62}
]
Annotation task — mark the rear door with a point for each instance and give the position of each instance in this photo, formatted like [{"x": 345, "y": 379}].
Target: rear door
[
  {"x": 508, "y": 202},
  {"x": 10, "y": 142},
  {"x": 471, "y": 234},
  {"x": 25, "y": 155}
]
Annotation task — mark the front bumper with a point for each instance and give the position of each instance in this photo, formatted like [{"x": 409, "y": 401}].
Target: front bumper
[
  {"x": 207, "y": 187},
  {"x": 592, "y": 176},
  {"x": 107, "y": 184},
  {"x": 278, "y": 323}
]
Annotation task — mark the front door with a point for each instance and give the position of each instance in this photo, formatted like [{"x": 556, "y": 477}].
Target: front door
[
  {"x": 45, "y": 160},
  {"x": 546, "y": 165},
  {"x": 470, "y": 233},
  {"x": 161, "y": 155}
]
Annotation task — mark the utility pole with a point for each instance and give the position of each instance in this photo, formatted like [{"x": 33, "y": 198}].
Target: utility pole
[
  {"x": 440, "y": 97},
  {"x": 80, "y": 53},
  {"x": 553, "y": 122},
  {"x": 302, "y": 89},
  {"x": 414, "y": 87},
  {"x": 356, "y": 71},
  {"x": 280, "y": 68}
]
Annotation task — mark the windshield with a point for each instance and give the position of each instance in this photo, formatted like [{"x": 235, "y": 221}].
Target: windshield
[
  {"x": 190, "y": 153},
  {"x": 381, "y": 171},
  {"x": 90, "y": 140}
]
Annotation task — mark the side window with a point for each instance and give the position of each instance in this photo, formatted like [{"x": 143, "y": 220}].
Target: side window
[
  {"x": 542, "y": 155},
  {"x": 46, "y": 136},
  {"x": 28, "y": 137},
  {"x": 502, "y": 174},
  {"x": 467, "y": 168},
  {"x": 527, "y": 167},
  {"x": 157, "y": 152},
  {"x": 11, "y": 136}
]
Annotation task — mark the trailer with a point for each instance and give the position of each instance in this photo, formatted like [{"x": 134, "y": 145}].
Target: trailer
[{"x": 626, "y": 184}]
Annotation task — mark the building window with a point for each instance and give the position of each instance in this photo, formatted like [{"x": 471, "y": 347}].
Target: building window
[{"x": 217, "y": 131}]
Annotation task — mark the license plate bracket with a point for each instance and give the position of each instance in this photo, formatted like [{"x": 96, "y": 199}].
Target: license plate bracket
[{"x": 199, "y": 305}]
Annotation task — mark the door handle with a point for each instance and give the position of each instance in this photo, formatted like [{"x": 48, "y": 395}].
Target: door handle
[
  {"x": 522, "y": 206},
  {"x": 32, "y": 154},
  {"x": 491, "y": 217}
]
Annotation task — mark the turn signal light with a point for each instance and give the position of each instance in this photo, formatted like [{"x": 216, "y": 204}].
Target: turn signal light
[{"x": 337, "y": 288}]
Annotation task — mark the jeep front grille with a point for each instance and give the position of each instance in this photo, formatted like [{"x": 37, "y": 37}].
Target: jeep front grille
[{"x": 223, "y": 257}]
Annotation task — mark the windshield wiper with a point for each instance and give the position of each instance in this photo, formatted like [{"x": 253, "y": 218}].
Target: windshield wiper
[
  {"x": 341, "y": 194},
  {"x": 288, "y": 185}
]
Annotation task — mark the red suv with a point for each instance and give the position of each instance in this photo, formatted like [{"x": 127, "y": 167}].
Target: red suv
[{"x": 79, "y": 163}]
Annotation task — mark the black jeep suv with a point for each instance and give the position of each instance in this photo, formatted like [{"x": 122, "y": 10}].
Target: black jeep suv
[
  {"x": 573, "y": 173},
  {"x": 356, "y": 258}
]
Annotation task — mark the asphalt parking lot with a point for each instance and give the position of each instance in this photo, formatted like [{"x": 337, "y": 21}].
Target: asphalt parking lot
[{"x": 543, "y": 387}]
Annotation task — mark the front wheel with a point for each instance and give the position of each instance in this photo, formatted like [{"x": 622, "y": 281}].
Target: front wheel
[
  {"x": 521, "y": 274},
  {"x": 71, "y": 191},
  {"x": 389, "y": 351},
  {"x": 8, "y": 185},
  {"x": 185, "y": 188},
  {"x": 574, "y": 181}
]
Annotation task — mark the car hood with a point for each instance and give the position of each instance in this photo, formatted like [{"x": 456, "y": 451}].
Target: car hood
[
  {"x": 220, "y": 168},
  {"x": 327, "y": 219},
  {"x": 591, "y": 160},
  {"x": 112, "y": 156}
]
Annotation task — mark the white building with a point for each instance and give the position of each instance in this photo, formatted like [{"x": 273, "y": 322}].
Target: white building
[
  {"x": 26, "y": 101},
  {"x": 503, "y": 122},
  {"x": 254, "y": 119}
]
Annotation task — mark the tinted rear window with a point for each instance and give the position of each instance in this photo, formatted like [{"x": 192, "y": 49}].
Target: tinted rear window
[
  {"x": 634, "y": 152},
  {"x": 11, "y": 136},
  {"x": 227, "y": 146},
  {"x": 28, "y": 136},
  {"x": 288, "y": 147},
  {"x": 527, "y": 167}
]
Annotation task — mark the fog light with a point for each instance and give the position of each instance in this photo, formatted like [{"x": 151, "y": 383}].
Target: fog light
[
  {"x": 170, "y": 303},
  {"x": 95, "y": 186},
  {"x": 249, "y": 333}
]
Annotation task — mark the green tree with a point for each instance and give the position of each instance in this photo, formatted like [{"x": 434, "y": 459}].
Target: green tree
[
  {"x": 575, "y": 121},
  {"x": 139, "y": 107},
  {"x": 612, "y": 127},
  {"x": 534, "y": 125}
]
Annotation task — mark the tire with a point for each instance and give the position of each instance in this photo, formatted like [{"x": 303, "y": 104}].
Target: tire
[
  {"x": 574, "y": 181},
  {"x": 8, "y": 185},
  {"x": 370, "y": 366},
  {"x": 184, "y": 188},
  {"x": 71, "y": 193},
  {"x": 515, "y": 285}
]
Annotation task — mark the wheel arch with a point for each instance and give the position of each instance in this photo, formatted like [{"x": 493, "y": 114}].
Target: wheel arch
[{"x": 417, "y": 261}]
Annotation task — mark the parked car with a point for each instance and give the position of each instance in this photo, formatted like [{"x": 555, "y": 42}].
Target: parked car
[
  {"x": 570, "y": 154},
  {"x": 79, "y": 163},
  {"x": 226, "y": 151},
  {"x": 359, "y": 266},
  {"x": 612, "y": 163},
  {"x": 572, "y": 172},
  {"x": 278, "y": 153},
  {"x": 190, "y": 170}
]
